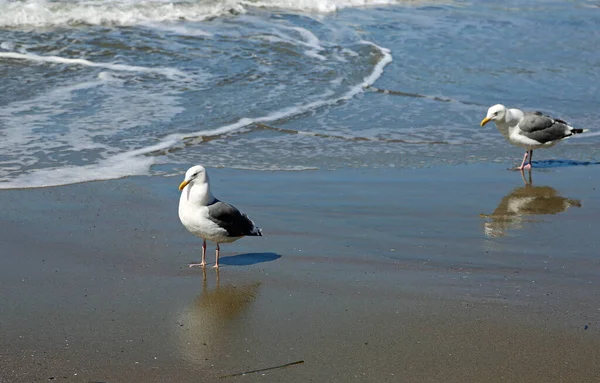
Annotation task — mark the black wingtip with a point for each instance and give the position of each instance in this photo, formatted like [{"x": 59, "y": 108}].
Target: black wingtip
[{"x": 255, "y": 232}]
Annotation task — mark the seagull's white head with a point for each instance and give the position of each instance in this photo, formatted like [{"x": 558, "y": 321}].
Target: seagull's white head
[
  {"x": 496, "y": 113},
  {"x": 195, "y": 174}
]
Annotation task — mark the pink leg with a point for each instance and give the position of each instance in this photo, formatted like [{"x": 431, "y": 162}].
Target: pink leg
[
  {"x": 523, "y": 163},
  {"x": 203, "y": 263},
  {"x": 216, "y": 266},
  {"x": 528, "y": 166}
]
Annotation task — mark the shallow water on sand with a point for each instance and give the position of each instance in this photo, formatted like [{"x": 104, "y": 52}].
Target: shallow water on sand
[{"x": 376, "y": 274}]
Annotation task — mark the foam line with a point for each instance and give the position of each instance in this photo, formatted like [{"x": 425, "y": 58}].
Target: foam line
[
  {"x": 135, "y": 12},
  {"x": 118, "y": 166},
  {"x": 308, "y": 36},
  {"x": 172, "y": 139},
  {"x": 307, "y": 39},
  {"x": 111, "y": 12},
  {"x": 168, "y": 72},
  {"x": 138, "y": 161},
  {"x": 323, "y": 6}
]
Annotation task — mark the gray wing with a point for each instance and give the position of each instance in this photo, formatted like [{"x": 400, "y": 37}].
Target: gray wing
[
  {"x": 543, "y": 128},
  {"x": 229, "y": 218}
]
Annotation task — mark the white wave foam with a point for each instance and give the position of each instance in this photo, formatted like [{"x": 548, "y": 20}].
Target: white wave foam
[
  {"x": 167, "y": 72},
  {"x": 30, "y": 126},
  {"x": 182, "y": 30},
  {"x": 378, "y": 70},
  {"x": 310, "y": 40},
  {"x": 323, "y": 6},
  {"x": 7, "y": 45},
  {"x": 118, "y": 166},
  {"x": 172, "y": 140},
  {"x": 137, "y": 162},
  {"x": 308, "y": 37},
  {"x": 112, "y": 12},
  {"x": 304, "y": 38},
  {"x": 20, "y": 119},
  {"x": 36, "y": 13}
]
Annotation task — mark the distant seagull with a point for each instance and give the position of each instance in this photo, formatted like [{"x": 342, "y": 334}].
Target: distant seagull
[
  {"x": 530, "y": 130},
  {"x": 207, "y": 217}
]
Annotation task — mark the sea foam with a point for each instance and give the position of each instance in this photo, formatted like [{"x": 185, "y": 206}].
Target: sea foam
[
  {"x": 168, "y": 72},
  {"x": 36, "y": 13},
  {"x": 138, "y": 161}
]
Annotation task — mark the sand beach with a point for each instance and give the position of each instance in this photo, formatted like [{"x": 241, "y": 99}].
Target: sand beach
[{"x": 376, "y": 275}]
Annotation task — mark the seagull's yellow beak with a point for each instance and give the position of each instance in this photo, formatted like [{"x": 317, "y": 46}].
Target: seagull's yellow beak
[
  {"x": 183, "y": 184},
  {"x": 485, "y": 121}
]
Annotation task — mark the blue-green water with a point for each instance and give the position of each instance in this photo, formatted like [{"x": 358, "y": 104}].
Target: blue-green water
[{"x": 106, "y": 89}]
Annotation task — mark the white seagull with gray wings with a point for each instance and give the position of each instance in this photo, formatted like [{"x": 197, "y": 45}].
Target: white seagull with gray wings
[
  {"x": 529, "y": 130},
  {"x": 207, "y": 217}
]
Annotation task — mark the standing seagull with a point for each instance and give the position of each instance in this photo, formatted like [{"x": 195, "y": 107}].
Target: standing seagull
[
  {"x": 531, "y": 130},
  {"x": 207, "y": 217}
]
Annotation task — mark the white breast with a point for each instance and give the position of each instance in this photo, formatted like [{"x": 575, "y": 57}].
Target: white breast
[{"x": 195, "y": 219}]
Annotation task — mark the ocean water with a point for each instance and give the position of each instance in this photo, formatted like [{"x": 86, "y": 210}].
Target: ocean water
[{"x": 104, "y": 89}]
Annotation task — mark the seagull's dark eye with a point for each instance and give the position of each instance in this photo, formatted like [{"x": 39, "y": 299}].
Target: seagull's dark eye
[{"x": 196, "y": 174}]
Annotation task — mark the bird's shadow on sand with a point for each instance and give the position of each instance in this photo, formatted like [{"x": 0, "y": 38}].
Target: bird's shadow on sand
[
  {"x": 248, "y": 259},
  {"x": 550, "y": 164}
]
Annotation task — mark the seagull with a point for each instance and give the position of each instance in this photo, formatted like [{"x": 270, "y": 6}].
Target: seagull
[
  {"x": 529, "y": 130},
  {"x": 207, "y": 217}
]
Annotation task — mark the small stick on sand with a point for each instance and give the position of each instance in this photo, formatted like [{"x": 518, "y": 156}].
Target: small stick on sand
[{"x": 262, "y": 369}]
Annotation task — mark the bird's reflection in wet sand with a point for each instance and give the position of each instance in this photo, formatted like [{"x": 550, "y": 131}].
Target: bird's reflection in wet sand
[
  {"x": 521, "y": 204},
  {"x": 207, "y": 325}
]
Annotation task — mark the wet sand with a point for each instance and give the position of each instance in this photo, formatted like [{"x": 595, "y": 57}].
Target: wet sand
[{"x": 456, "y": 274}]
